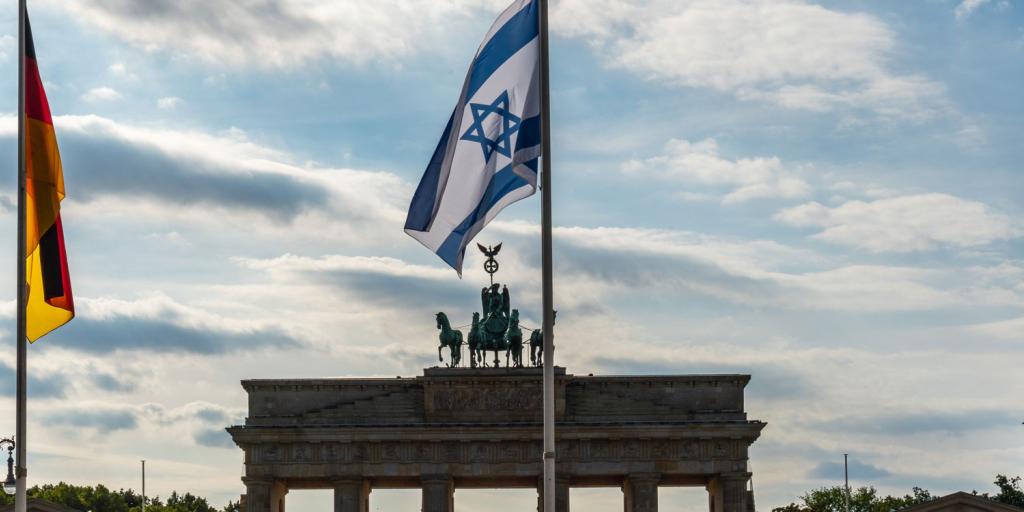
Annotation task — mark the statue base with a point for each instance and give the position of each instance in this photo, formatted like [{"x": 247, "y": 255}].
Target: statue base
[{"x": 502, "y": 371}]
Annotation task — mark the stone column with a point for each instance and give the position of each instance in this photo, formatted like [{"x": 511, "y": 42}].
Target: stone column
[
  {"x": 438, "y": 493},
  {"x": 561, "y": 494},
  {"x": 351, "y": 495},
  {"x": 277, "y": 493},
  {"x": 728, "y": 492},
  {"x": 640, "y": 492},
  {"x": 257, "y": 496}
]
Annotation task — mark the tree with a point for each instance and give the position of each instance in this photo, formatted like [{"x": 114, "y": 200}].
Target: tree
[
  {"x": 232, "y": 506},
  {"x": 863, "y": 499},
  {"x": 101, "y": 499},
  {"x": 1010, "y": 491},
  {"x": 866, "y": 499}
]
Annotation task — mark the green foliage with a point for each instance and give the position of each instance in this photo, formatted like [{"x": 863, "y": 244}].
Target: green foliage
[
  {"x": 232, "y": 506},
  {"x": 101, "y": 499},
  {"x": 1010, "y": 491},
  {"x": 864, "y": 499}
]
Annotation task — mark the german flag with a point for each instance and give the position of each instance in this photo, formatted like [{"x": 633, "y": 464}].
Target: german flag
[{"x": 49, "y": 303}]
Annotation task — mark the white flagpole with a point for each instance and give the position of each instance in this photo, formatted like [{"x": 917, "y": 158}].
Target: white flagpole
[
  {"x": 20, "y": 498},
  {"x": 548, "y": 286}
]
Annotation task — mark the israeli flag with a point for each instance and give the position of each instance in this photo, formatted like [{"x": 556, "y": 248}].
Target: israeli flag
[{"x": 487, "y": 157}]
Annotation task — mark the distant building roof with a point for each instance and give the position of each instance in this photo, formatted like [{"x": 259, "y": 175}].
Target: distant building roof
[
  {"x": 962, "y": 502},
  {"x": 38, "y": 505}
]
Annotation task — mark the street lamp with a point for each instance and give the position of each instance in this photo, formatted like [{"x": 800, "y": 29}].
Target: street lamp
[{"x": 10, "y": 484}]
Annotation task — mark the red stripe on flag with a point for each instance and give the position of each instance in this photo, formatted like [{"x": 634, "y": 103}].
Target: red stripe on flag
[{"x": 36, "y": 106}]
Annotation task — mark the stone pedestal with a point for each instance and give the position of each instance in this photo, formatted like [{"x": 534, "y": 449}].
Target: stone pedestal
[
  {"x": 727, "y": 492},
  {"x": 352, "y": 495},
  {"x": 438, "y": 494},
  {"x": 640, "y": 492}
]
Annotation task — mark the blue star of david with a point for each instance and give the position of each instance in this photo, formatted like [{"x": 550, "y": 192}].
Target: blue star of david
[{"x": 502, "y": 143}]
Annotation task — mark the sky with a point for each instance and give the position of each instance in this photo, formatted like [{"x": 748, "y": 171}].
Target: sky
[{"x": 826, "y": 196}]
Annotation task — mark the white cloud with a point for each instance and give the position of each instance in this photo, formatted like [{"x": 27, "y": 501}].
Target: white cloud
[
  {"x": 904, "y": 224},
  {"x": 789, "y": 53},
  {"x": 1009, "y": 330},
  {"x": 8, "y": 45},
  {"x": 101, "y": 94},
  {"x": 760, "y": 273},
  {"x": 275, "y": 34},
  {"x": 967, "y": 7},
  {"x": 250, "y": 192},
  {"x": 699, "y": 163},
  {"x": 333, "y": 263},
  {"x": 168, "y": 102},
  {"x": 120, "y": 70}
]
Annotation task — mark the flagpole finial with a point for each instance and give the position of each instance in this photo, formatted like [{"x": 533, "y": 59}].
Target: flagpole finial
[{"x": 490, "y": 265}]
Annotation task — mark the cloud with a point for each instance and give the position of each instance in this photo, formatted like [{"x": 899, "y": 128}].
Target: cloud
[
  {"x": 51, "y": 385},
  {"x": 101, "y": 94},
  {"x": 1010, "y": 330},
  {"x": 198, "y": 420},
  {"x": 904, "y": 224},
  {"x": 699, "y": 163},
  {"x": 967, "y": 7},
  {"x": 858, "y": 470},
  {"x": 910, "y": 423},
  {"x": 214, "y": 438},
  {"x": 103, "y": 420},
  {"x": 168, "y": 102},
  {"x": 158, "y": 324},
  {"x": 770, "y": 381},
  {"x": 111, "y": 158},
  {"x": 276, "y": 33},
  {"x": 751, "y": 272},
  {"x": 382, "y": 281},
  {"x": 120, "y": 70},
  {"x": 789, "y": 53},
  {"x": 112, "y": 383},
  {"x": 8, "y": 45},
  {"x": 193, "y": 412},
  {"x": 107, "y": 159}
]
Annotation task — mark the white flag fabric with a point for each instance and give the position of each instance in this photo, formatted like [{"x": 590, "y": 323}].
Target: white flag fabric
[{"x": 487, "y": 157}]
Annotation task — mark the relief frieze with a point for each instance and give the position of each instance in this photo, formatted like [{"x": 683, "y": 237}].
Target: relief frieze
[{"x": 495, "y": 452}]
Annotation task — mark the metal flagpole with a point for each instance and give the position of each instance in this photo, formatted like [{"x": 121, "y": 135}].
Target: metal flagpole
[
  {"x": 20, "y": 498},
  {"x": 143, "y": 485},
  {"x": 548, "y": 286},
  {"x": 846, "y": 478}
]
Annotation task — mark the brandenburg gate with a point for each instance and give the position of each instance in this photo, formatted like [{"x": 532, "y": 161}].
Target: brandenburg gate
[
  {"x": 457, "y": 428},
  {"x": 481, "y": 426}
]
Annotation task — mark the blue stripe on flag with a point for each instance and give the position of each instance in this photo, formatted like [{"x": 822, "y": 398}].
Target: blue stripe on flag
[
  {"x": 421, "y": 210},
  {"x": 529, "y": 133},
  {"x": 503, "y": 182},
  {"x": 509, "y": 39}
]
